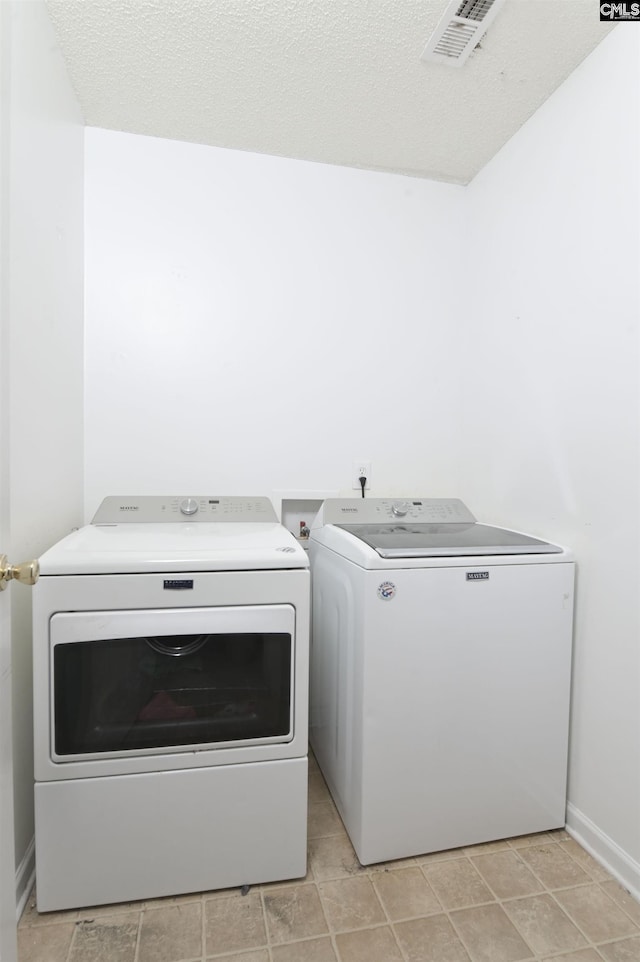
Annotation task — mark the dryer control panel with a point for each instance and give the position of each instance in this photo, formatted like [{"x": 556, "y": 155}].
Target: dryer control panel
[
  {"x": 384, "y": 510},
  {"x": 192, "y": 508}
]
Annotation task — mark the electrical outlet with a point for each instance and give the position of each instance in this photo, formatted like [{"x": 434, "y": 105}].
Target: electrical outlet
[{"x": 360, "y": 469}]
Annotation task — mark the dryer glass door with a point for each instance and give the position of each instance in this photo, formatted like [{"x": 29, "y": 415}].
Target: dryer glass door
[{"x": 142, "y": 682}]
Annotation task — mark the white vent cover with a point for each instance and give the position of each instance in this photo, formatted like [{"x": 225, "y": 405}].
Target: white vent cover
[{"x": 460, "y": 31}]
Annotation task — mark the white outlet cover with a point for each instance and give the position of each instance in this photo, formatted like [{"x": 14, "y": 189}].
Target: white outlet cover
[{"x": 360, "y": 467}]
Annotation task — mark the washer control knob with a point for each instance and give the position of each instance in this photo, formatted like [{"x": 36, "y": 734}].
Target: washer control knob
[
  {"x": 189, "y": 506},
  {"x": 400, "y": 508}
]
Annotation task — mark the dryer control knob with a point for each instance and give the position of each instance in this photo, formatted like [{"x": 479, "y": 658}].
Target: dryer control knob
[
  {"x": 400, "y": 508},
  {"x": 189, "y": 506}
]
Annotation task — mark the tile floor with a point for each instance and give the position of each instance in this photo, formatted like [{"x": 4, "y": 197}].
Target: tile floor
[{"x": 540, "y": 897}]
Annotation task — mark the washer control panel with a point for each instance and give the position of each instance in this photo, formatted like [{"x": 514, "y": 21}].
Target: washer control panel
[
  {"x": 191, "y": 508},
  {"x": 383, "y": 510}
]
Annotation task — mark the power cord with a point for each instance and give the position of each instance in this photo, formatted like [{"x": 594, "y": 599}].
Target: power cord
[{"x": 363, "y": 482}]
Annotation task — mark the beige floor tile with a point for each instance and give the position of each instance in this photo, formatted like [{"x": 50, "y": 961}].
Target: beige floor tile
[
  {"x": 31, "y": 916},
  {"x": 216, "y": 894},
  {"x": 554, "y": 866},
  {"x": 457, "y": 883},
  {"x": 351, "y": 903},
  {"x": 444, "y": 856},
  {"x": 485, "y": 847},
  {"x": 430, "y": 940},
  {"x": 45, "y": 943},
  {"x": 109, "y": 939},
  {"x": 544, "y": 925},
  {"x": 406, "y": 894},
  {"x": 368, "y": 945},
  {"x": 333, "y": 857},
  {"x": 323, "y": 820},
  {"x": 586, "y": 861},
  {"x": 109, "y": 911},
  {"x": 179, "y": 899},
  {"x": 257, "y": 955},
  {"x": 506, "y": 874},
  {"x": 524, "y": 841},
  {"x": 558, "y": 834},
  {"x": 597, "y": 915},
  {"x": 379, "y": 868},
  {"x": 489, "y": 936},
  {"x": 619, "y": 895},
  {"x": 314, "y": 950},
  {"x": 170, "y": 933},
  {"x": 628, "y": 950},
  {"x": 582, "y": 955},
  {"x": 318, "y": 791},
  {"x": 294, "y": 912},
  {"x": 391, "y": 866},
  {"x": 234, "y": 924}
]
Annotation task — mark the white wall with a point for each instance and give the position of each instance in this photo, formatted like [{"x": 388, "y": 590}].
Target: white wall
[
  {"x": 255, "y": 323},
  {"x": 554, "y": 431},
  {"x": 45, "y": 343}
]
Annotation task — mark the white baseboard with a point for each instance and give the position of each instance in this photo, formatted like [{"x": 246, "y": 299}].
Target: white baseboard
[
  {"x": 25, "y": 877},
  {"x": 616, "y": 861}
]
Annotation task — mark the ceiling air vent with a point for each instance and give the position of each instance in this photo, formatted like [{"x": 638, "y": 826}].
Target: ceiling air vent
[{"x": 460, "y": 31}]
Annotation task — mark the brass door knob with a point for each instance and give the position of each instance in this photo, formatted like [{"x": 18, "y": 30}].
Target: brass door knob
[{"x": 27, "y": 572}]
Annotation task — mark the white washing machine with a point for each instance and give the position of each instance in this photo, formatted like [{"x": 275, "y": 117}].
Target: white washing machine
[
  {"x": 170, "y": 702},
  {"x": 440, "y": 675}
]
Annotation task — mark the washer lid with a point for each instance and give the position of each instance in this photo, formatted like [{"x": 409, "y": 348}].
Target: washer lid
[{"x": 446, "y": 540}]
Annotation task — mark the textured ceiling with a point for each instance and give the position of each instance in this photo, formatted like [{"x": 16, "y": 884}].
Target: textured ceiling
[{"x": 335, "y": 81}]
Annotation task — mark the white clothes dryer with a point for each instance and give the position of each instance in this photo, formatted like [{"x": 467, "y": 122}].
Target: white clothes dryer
[
  {"x": 440, "y": 675},
  {"x": 170, "y": 702}
]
